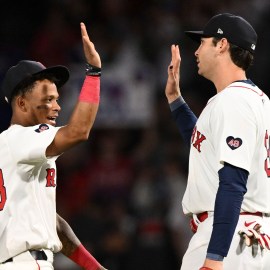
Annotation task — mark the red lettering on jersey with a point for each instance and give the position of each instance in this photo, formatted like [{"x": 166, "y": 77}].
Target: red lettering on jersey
[
  {"x": 50, "y": 178},
  {"x": 198, "y": 140},
  {"x": 267, "y": 160},
  {"x": 193, "y": 134},
  {"x": 3, "y": 194}
]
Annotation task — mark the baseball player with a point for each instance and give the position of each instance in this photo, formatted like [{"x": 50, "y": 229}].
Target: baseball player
[
  {"x": 30, "y": 229},
  {"x": 228, "y": 188}
]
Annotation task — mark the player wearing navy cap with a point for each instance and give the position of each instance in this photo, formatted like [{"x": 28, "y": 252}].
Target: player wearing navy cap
[
  {"x": 30, "y": 229},
  {"x": 228, "y": 189}
]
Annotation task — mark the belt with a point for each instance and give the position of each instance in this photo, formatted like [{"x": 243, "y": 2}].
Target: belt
[
  {"x": 204, "y": 215},
  {"x": 36, "y": 254}
]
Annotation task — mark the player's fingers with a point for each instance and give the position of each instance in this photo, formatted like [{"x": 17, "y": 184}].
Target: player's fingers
[
  {"x": 177, "y": 55},
  {"x": 176, "y": 58},
  {"x": 173, "y": 69},
  {"x": 257, "y": 227},
  {"x": 84, "y": 31},
  {"x": 88, "y": 45},
  {"x": 256, "y": 234},
  {"x": 246, "y": 232},
  {"x": 171, "y": 66},
  {"x": 91, "y": 55},
  {"x": 172, "y": 51},
  {"x": 248, "y": 240}
]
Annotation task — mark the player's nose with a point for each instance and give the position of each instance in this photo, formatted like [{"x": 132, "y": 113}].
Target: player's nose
[{"x": 57, "y": 107}]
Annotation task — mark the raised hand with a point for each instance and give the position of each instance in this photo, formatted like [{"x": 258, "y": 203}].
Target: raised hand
[
  {"x": 91, "y": 55},
  {"x": 172, "y": 90}
]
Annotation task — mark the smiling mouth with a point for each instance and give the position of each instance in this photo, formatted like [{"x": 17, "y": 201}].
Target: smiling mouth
[{"x": 52, "y": 119}]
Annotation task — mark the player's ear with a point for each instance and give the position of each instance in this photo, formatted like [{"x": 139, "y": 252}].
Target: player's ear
[
  {"x": 20, "y": 102},
  {"x": 223, "y": 45}
]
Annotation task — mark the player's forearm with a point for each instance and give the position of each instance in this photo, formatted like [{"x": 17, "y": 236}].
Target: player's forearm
[
  {"x": 67, "y": 237},
  {"x": 184, "y": 118},
  {"x": 232, "y": 188},
  {"x": 81, "y": 120},
  {"x": 84, "y": 114},
  {"x": 73, "y": 249}
]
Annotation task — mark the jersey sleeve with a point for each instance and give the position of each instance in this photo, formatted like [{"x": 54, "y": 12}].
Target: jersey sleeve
[
  {"x": 185, "y": 120},
  {"x": 28, "y": 144},
  {"x": 234, "y": 130}
]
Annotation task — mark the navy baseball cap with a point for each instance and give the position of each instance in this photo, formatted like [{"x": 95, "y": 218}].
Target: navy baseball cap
[
  {"x": 234, "y": 28},
  {"x": 26, "y": 69}
]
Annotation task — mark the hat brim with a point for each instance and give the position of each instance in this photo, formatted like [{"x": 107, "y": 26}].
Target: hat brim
[
  {"x": 61, "y": 73},
  {"x": 195, "y": 35}
]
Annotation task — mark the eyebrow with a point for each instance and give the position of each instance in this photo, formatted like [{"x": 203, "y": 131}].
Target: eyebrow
[
  {"x": 45, "y": 90},
  {"x": 51, "y": 97}
]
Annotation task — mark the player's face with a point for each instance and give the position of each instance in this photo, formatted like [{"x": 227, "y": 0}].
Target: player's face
[
  {"x": 206, "y": 56},
  {"x": 42, "y": 103}
]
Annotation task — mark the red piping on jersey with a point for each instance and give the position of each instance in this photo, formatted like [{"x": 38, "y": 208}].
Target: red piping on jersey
[
  {"x": 247, "y": 88},
  {"x": 38, "y": 265},
  {"x": 262, "y": 93}
]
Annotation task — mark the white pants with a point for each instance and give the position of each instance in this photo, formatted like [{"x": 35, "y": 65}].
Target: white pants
[
  {"x": 240, "y": 256},
  {"x": 25, "y": 261}
]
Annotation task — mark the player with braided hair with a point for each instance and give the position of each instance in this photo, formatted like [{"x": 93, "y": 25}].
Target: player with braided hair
[
  {"x": 30, "y": 229},
  {"x": 228, "y": 189}
]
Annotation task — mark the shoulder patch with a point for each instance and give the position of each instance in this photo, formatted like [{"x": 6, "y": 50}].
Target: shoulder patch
[
  {"x": 233, "y": 143},
  {"x": 41, "y": 128}
]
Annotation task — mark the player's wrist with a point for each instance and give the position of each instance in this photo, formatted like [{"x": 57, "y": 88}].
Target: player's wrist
[
  {"x": 176, "y": 103},
  {"x": 214, "y": 257},
  {"x": 91, "y": 70},
  {"x": 84, "y": 259}
]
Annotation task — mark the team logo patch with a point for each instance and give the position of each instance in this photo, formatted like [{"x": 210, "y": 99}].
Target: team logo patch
[
  {"x": 233, "y": 143},
  {"x": 41, "y": 128}
]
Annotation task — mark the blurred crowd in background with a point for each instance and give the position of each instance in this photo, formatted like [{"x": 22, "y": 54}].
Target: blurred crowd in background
[{"x": 121, "y": 191}]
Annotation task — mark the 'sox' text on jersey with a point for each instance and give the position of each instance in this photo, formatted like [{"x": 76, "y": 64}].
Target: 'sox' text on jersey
[{"x": 197, "y": 138}]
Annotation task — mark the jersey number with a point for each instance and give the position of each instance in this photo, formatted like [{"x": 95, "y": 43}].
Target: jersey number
[
  {"x": 234, "y": 143},
  {"x": 267, "y": 160},
  {"x": 3, "y": 194}
]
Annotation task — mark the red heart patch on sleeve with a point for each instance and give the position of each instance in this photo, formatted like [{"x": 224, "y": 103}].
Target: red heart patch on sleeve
[{"x": 233, "y": 143}]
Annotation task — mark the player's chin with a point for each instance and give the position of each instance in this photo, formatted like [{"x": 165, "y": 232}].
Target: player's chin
[{"x": 201, "y": 73}]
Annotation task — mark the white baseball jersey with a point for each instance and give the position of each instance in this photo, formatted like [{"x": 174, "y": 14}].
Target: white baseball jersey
[
  {"x": 27, "y": 191},
  {"x": 234, "y": 127}
]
